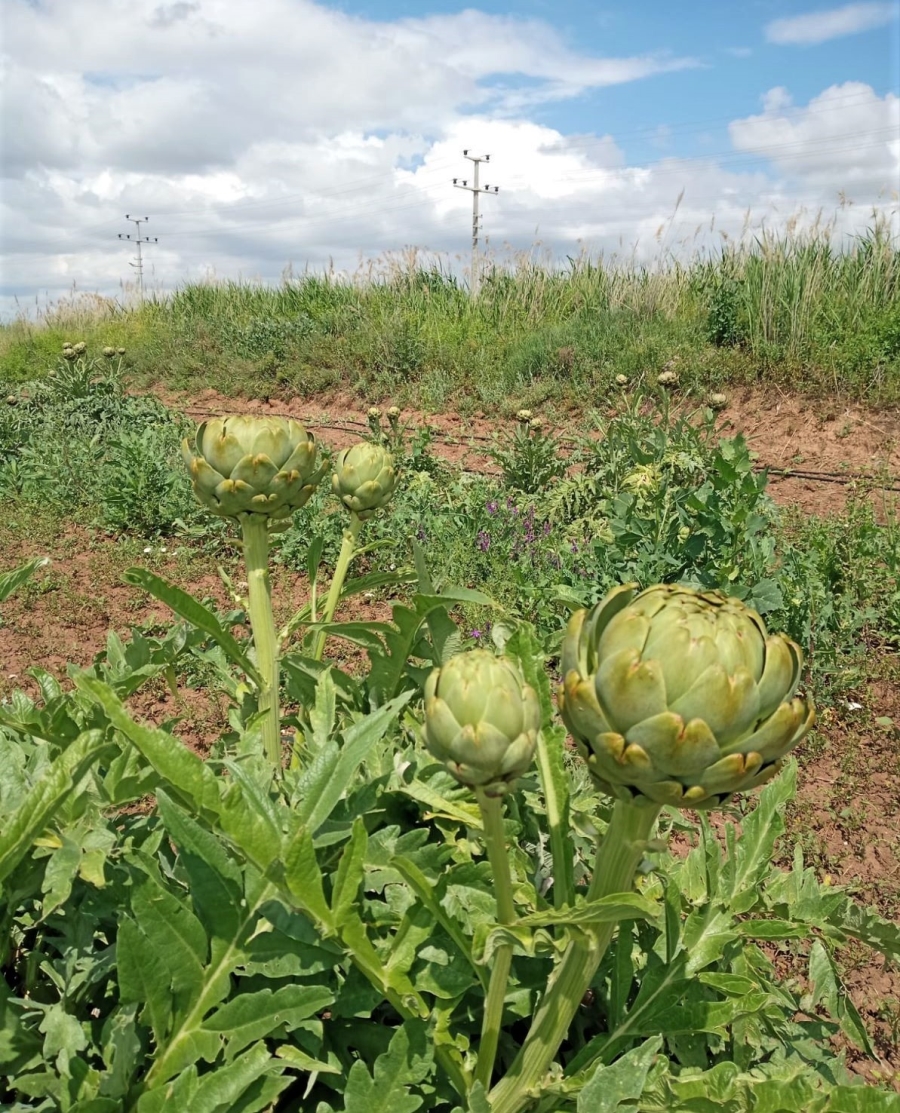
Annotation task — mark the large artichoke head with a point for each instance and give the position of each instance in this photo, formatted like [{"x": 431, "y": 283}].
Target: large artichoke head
[
  {"x": 252, "y": 464},
  {"x": 481, "y": 720},
  {"x": 679, "y": 696},
  {"x": 364, "y": 478}
]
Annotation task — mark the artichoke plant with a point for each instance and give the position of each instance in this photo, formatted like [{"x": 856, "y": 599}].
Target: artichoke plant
[
  {"x": 257, "y": 470},
  {"x": 679, "y": 696},
  {"x": 481, "y": 720},
  {"x": 252, "y": 464},
  {"x": 364, "y": 478}
]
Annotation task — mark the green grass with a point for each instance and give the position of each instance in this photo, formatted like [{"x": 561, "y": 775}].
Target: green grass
[{"x": 791, "y": 310}]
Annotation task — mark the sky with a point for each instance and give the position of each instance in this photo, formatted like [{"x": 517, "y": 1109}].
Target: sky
[{"x": 275, "y": 137}]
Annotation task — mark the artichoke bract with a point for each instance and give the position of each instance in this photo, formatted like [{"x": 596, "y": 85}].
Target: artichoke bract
[
  {"x": 252, "y": 464},
  {"x": 481, "y": 720},
  {"x": 680, "y": 696},
  {"x": 364, "y": 478}
]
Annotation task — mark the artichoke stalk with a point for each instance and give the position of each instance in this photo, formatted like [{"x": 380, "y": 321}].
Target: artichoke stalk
[
  {"x": 482, "y": 721},
  {"x": 364, "y": 479},
  {"x": 674, "y": 696},
  {"x": 256, "y": 470}
]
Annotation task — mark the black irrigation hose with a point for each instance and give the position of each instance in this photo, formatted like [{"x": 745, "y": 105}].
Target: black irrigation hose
[{"x": 785, "y": 473}]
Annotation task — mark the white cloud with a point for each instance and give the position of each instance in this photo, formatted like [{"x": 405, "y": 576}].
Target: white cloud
[
  {"x": 258, "y": 135},
  {"x": 846, "y": 135},
  {"x": 834, "y": 23}
]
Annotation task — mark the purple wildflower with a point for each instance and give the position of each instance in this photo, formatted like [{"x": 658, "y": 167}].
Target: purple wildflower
[{"x": 484, "y": 540}]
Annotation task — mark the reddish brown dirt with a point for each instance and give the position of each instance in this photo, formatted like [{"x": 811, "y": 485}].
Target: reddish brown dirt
[
  {"x": 847, "y": 813},
  {"x": 784, "y": 431}
]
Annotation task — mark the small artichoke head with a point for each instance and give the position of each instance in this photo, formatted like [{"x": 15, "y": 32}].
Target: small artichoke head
[
  {"x": 679, "y": 696},
  {"x": 481, "y": 720},
  {"x": 252, "y": 464},
  {"x": 364, "y": 478}
]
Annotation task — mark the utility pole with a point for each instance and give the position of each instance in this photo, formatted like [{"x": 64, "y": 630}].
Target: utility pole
[
  {"x": 475, "y": 189},
  {"x": 138, "y": 239}
]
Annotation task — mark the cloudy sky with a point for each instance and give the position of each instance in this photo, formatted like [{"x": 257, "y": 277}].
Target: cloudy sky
[{"x": 291, "y": 133}]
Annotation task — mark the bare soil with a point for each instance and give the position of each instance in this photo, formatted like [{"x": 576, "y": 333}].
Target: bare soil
[
  {"x": 847, "y": 812},
  {"x": 843, "y": 444}
]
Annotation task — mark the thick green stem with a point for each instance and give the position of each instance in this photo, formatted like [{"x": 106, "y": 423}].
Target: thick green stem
[
  {"x": 618, "y": 856},
  {"x": 495, "y": 840},
  {"x": 256, "y": 559},
  {"x": 348, "y": 547}
]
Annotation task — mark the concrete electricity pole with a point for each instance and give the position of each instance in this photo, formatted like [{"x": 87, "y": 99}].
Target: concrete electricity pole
[
  {"x": 475, "y": 189},
  {"x": 138, "y": 239}
]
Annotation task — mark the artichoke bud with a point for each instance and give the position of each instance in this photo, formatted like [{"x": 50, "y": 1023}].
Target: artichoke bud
[
  {"x": 364, "y": 478},
  {"x": 481, "y": 720},
  {"x": 250, "y": 464},
  {"x": 680, "y": 697}
]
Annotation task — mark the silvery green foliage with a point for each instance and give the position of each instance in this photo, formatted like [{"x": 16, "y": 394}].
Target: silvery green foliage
[{"x": 230, "y": 947}]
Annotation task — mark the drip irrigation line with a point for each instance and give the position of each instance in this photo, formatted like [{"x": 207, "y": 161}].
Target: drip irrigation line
[{"x": 567, "y": 443}]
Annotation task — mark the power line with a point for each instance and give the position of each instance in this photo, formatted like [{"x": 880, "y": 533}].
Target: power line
[
  {"x": 137, "y": 239},
  {"x": 476, "y": 191},
  {"x": 353, "y": 186},
  {"x": 437, "y": 167},
  {"x": 404, "y": 205}
]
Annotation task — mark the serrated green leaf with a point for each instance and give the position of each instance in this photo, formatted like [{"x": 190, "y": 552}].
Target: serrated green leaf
[
  {"x": 338, "y": 771},
  {"x": 551, "y": 765},
  {"x": 248, "y": 817},
  {"x": 45, "y": 797},
  {"x": 189, "y": 778},
  {"x": 322, "y": 713},
  {"x": 167, "y": 1097},
  {"x": 750, "y": 857},
  {"x": 294, "y": 1057},
  {"x": 143, "y": 977},
  {"x": 771, "y": 929},
  {"x": 216, "y": 882},
  {"x": 303, "y": 876},
  {"x": 176, "y": 935},
  {"x": 194, "y": 612},
  {"x": 477, "y": 1100},
  {"x": 406, "y": 1062},
  {"x": 122, "y": 1050},
  {"x": 623, "y": 1081},
  {"x": 425, "y": 893},
  {"x": 9, "y": 581},
  {"x": 254, "y": 1016},
  {"x": 609, "y": 909},
  {"x": 439, "y": 806},
  {"x": 349, "y": 875},
  {"x": 59, "y": 875},
  {"x": 828, "y": 991}
]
